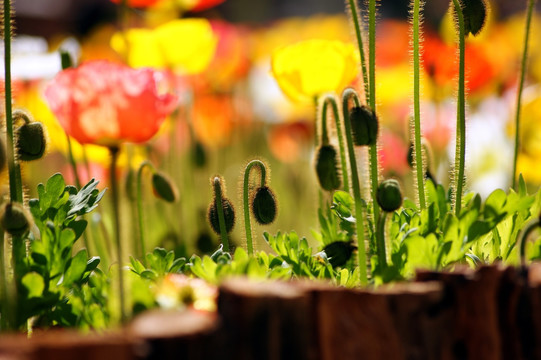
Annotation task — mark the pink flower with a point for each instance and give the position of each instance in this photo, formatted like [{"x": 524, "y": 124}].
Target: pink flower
[{"x": 105, "y": 103}]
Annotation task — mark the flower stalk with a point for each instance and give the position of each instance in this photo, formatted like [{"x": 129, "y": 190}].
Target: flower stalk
[
  {"x": 416, "y": 19},
  {"x": 531, "y": 6},
  {"x": 461, "y": 114},
  {"x": 354, "y": 13},
  {"x": 246, "y": 198},
  {"x": 361, "y": 249},
  {"x": 331, "y": 99}
]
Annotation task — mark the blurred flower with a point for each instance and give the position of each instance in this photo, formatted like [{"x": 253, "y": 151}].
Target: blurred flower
[
  {"x": 105, "y": 103},
  {"x": 178, "y": 291},
  {"x": 310, "y": 68},
  {"x": 183, "y": 45},
  {"x": 198, "y": 5},
  {"x": 292, "y": 30},
  {"x": 288, "y": 141},
  {"x": 393, "y": 154},
  {"x": 393, "y": 43},
  {"x": 231, "y": 60},
  {"x": 213, "y": 119},
  {"x": 137, "y": 3}
]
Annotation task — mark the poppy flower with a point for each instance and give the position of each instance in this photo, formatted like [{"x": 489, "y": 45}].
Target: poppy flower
[
  {"x": 105, "y": 103},
  {"x": 184, "y": 45},
  {"x": 310, "y": 68},
  {"x": 213, "y": 119}
]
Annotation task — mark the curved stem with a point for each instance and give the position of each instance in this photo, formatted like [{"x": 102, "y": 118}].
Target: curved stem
[
  {"x": 531, "y": 4},
  {"x": 361, "y": 248},
  {"x": 116, "y": 215},
  {"x": 142, "y": 249},
  {"x": 246, "y": 200},
  {"x": 354, "y": 11},
  {"x": 416, "y": 104},
  {"x": 330, "y": 99},
  {"x": 461, "y": 115},
  {"x": 380, "y": 240},
  {"x": 220, "y": 209}
]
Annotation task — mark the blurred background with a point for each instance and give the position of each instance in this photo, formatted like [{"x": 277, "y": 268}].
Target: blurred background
[{"x": 235, "y": 111}]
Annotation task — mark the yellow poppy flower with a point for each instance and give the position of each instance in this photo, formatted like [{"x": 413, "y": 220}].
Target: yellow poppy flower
[
  {"x": 183, "y": 45},
  {"x": 310, "y": 68}
]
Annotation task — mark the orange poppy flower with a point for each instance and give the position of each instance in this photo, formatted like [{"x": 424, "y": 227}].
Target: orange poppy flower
[{"x": 105, "y": 103}]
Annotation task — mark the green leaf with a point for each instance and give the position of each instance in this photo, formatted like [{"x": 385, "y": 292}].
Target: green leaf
[
  {"x": 76, "y": 268},
  {"x": 33, "y": 282},
  {"x": 92, "y": 263},
  {"x": 54, "y": 188},
  {"x": 85, "y": 200},
  {"x": 78, "y": 227},
  {"x": 343, "y": 205},
  {"x": 149, "y": 274}
]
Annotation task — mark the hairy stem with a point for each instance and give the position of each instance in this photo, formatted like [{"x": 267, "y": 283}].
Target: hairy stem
[
  {"x": 330, "y": 99},
  {"x": 354, "y": 12},
  {"x": 417, "y": 8},
  {"x": 220, "y": 211},
  {"x": 246, "y": 200},
  {"x": 380, "y": 241},
  {"x": 116, "y": 215},
  {"x": 461, "y": 114},
  {"x": 361, "y": 248},
  {"x": 373, "y": 150},
  {"x": 142, "y": 242},
  {"x": 529, "y": 13}
]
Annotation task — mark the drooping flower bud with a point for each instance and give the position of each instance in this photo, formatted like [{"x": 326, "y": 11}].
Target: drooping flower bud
[
  {"x": 15, "y": 219},
  {"x": 264, "y": 207},
  {"x": 475, "y": 16},
  {"x": 199, "y": 155},
  {"x": 389, "y": 195},
  {"x": 327, "y": 170},
  {"x": 31, "y": 141},
  {"x": 229, "y": 216},
  {"x": 339, "y": 252},
  {"x": 364, "y": 125},
  {"x": 163, "y": 187}
]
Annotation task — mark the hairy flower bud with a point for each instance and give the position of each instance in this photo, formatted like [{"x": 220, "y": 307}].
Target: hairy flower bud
[
  {"x": 264, "y": 206},
  {"x": 389, "y": 195},
  {"x": 364, "y": 125},
  {"x": 31, "y": 141},
  {"x": 229, "y": 216},
  {"x": 327, "y": 170},
  {"x": 15, "y": 219},
  {"x": 163, "y": 187},
  {"x": 475, "y": 16}
]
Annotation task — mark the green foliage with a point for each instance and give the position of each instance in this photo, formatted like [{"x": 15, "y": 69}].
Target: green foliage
[{"x": 53, "y": 279}]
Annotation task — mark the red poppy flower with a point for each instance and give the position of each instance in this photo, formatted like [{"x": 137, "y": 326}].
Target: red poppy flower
[
  {"x": 201, "y": 5},
  {"x": 105, "y": 103}
]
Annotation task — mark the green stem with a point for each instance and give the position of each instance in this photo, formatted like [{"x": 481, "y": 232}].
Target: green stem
[
  {"x": 15, "y": 186},
  {"x": 116, "y": 214},
  {"x": 6, "y": 311},
  {"x": 373, "y": 150},
  {"x": 361, "y": 249},
  {"x": 246, "y": 200},
  {"x": 330, "y": 99},
  {"x": 380, "y": 239},
  {"x": 142, "y": 246},
  {"x": 354, "y": 12},
  {"x": 220, "y": 209},
  {"x": 417, "y": 8},
  {"x": 461, "y": 114},
  {"x": 529, "y": 13}
]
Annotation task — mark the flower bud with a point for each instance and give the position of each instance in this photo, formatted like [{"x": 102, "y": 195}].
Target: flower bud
[
  {"x": 364, "y": 125},
  {"x": 389, "y": 195},
  {"x": 229, "y": 216},
  {"x": 475, "y": 15},
  {"x": 327, "y": 169},
  {"x": 163, "y": 187},
  {"x": 264, "y": 206},
  {"x": 339, "y": 252},
  {"x": 31, "y": 141},
  {"x": 15, "y": 219}
]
